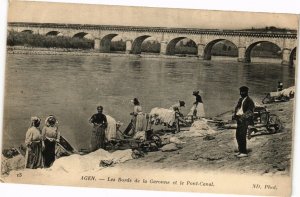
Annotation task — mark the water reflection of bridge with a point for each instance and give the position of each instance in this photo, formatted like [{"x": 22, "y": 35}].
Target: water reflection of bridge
[{"x": 204, "y": 40}]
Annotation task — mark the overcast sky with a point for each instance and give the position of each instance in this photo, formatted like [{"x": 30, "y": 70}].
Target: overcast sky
[{"x": 43, "y": 12}]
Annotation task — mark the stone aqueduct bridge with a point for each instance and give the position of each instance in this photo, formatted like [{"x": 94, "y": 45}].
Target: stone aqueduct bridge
[{"x": 168, "y": 37}]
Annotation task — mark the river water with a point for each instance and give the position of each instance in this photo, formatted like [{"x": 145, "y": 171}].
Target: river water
[{"x": 70, "y": 87}]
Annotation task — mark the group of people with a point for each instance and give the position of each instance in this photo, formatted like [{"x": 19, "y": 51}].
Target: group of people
[
  {"x": 40, "y": 152},
  {"x": 138, "y": 122},
  {"x": 41, "y": 145}
]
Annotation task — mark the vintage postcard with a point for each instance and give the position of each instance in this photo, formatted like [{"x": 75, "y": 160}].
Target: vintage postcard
[{"x": 149, "y": 98}]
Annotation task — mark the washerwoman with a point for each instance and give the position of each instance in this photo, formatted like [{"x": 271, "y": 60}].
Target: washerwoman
[
  {"x": 51, "y": 136},
  {"x": 34, "y": 143},
  {"x": 138, "y": 117}
]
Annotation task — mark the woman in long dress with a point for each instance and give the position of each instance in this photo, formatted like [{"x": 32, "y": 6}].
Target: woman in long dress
[
  {"x": 198, "y": 108},
  {"x": 51, "y": 136},
  {"x": 34, "y": 143},
  {"x": 138, "y": 117}
]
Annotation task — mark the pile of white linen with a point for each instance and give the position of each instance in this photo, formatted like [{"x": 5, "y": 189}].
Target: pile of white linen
[{"x": 162, "y": 116}]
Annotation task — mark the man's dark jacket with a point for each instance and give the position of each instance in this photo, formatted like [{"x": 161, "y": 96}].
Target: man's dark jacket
[{"x": 248, "y": 109}]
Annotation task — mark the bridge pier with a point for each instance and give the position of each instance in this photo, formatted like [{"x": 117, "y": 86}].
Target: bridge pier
[
  {"x": 200, "y": 52},
  {"x": 97, "y": 44},
  {"x": 163, "y": 47},
  {"x": 286, "y": 60},
  {"x": 242, "y": 55},
  {"x": 128, "y": 46}
]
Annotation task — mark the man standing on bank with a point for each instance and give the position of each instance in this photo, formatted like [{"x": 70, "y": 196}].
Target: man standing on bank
[
  {"x": 99, "y": 122},
  {"x": 243, "y": 114}
]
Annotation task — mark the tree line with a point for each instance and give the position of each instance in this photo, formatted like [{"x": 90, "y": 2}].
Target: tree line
[{"x": 36, "y": 40}]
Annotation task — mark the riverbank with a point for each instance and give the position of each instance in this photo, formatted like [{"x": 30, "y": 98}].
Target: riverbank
[
  {"x": 85, "y": 52},
  {"x": 206, "y": 148},
  {"x": 92, "y": 52},
  {"x": 269, "y": 154},
  {"x": 200, "y": 160}
]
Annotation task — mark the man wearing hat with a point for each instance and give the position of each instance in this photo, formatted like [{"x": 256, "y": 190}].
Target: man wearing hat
[{"x": 243, "y": 114}]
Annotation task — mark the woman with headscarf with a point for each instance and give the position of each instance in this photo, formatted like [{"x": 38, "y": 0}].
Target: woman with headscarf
[
  {"x": 34, "y": 143},
  {"x": 198, "y": 107},
  {"x": 137, "y": 117},
  {"x": 51, "y": 136}
]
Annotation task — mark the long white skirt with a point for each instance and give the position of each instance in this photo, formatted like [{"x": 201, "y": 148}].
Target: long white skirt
[
  {"x": 111, "y": 130},
  {"x": 197, "y": 110}
]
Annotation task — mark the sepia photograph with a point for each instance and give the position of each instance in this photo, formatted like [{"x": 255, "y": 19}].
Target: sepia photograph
[{"x": 149, "y": 98}]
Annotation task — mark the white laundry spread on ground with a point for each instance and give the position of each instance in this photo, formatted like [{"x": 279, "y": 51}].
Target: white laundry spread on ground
[
  {"x": 198, "y": 129},
  {"x": 288, "y": 91},
  {"x": 285, "y": 92},
  {"x": 15, "y": 163},
  {"x": 162, "y": 115},
  {"x": 91, "y": 161}
]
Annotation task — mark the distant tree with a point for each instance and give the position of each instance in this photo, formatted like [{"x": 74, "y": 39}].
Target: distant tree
[{"x": 37, "y": 40}]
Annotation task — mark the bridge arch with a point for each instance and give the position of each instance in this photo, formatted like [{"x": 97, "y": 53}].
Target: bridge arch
[
  {"x": 137, "y": 44},
  {"x": 105, "y": 42},
  {"x": 251, "y": 47},
  {"x": 208, "y": 48},
  {"x": 27, "y": 31},
  {"x": 83, "y": 35},
  {"x": 54, "y": 33},
  {"x": 293, "y": 57},
  {"x": 171, "y": 46}
]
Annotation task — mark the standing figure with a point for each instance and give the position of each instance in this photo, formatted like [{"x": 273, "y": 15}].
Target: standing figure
[
  {"x": 51, "y": 136},
  {"x": 34, "y": 143},
  {"x": 198, "y": 108},
  {"x": 99, "y": 122},
  {"x": 178, "y": 115},
  {"x": 138, "y": 117},
  {"x": 243, "y": 114},
  {"x": 279, "y": 86}
]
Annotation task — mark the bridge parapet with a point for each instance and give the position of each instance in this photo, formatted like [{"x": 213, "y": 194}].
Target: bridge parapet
[{"x": 246, "y": 33}]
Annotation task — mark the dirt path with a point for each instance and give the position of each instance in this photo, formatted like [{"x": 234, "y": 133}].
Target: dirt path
[{"x": 268, "y": 154}]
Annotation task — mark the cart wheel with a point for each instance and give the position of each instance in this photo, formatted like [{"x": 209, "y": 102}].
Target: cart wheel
[
  {"x": 156, "y": 139},
  {"x": 267, "y": 99},
  {"x": 274, "y": 124}
]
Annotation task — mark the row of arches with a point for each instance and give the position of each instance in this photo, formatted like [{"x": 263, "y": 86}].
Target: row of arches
[{"x": 180, "y": 46}]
